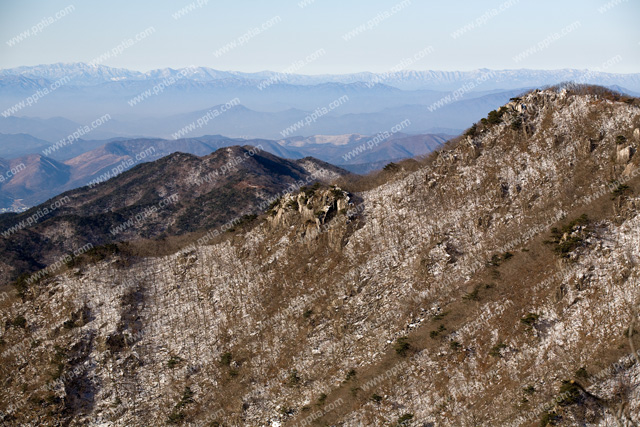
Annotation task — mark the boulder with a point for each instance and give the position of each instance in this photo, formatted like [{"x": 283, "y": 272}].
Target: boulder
[{"x": 625, "y": 154}]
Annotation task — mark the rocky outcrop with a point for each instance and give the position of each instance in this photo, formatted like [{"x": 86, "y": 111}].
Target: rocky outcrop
[{"x": 625, "y": 154}]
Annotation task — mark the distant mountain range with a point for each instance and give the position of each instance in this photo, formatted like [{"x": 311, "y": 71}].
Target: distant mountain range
[
  {"x": 84, "y": 74},
  {"x": 160, "y": 103}
]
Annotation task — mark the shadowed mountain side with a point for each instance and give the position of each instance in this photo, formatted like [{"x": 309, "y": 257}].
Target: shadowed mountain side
[{"x": 174, "y": 195}]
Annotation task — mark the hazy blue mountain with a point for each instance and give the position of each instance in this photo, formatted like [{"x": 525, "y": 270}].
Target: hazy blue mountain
[
  {"x": 55, "y": 128},
  {"x": 355, "y": 149},
  {"x": 19, "y": 144},
  {"x": 159, "y": 103},
  {"x": 240, "y": 121}
]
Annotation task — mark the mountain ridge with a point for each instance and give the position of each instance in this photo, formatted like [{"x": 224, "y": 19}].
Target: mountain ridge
[
  {"x": 104, "y": 159},
  {"x": 443, "y": 79},
  {"x": 209, "y": 190}
]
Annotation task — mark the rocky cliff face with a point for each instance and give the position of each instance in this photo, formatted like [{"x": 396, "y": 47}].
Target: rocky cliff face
[{"x": 494, "y": 283}]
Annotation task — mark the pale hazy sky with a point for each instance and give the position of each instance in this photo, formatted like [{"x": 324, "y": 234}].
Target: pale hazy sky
[{"x": 95, "y": 27}]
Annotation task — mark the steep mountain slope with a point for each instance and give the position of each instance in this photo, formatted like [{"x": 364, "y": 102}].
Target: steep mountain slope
[
  {"x": 177, "y": 194},
  {"x": 432, "y": 299},
  {"x": 36, "y": 178},
  {"x": 41, "y": 178},
  {"x": 93, "y": 164}
]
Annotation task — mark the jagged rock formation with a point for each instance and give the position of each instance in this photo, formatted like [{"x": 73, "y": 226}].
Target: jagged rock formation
[{"x": 495, "y": 283}]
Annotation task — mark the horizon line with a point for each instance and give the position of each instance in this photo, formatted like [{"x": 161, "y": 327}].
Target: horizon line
[{"x": 98, "y": 66}]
